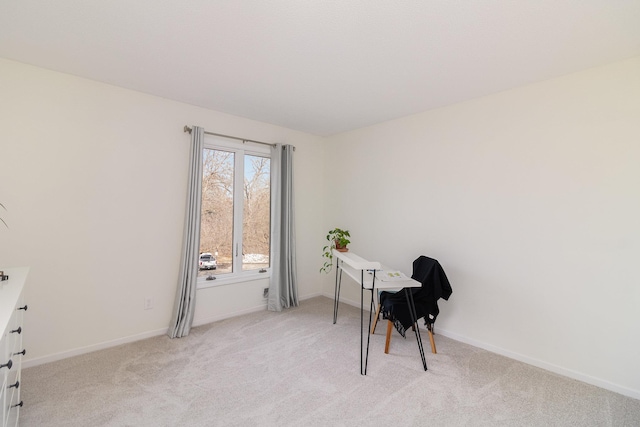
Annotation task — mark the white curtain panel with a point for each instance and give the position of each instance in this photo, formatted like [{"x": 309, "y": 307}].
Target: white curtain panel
[
  {"x": 185, "y": 302},
  {"x": 283, "y": 287}
]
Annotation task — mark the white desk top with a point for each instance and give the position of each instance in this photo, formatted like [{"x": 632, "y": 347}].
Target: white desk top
[
  {"x": 354, "y": 265},
  {"x": 356, "y": 261}
]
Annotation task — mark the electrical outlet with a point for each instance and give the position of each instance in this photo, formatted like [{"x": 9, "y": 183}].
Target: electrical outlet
[
  {"x": 148, "y": 303},
  {"x": 265, "y": 293}
]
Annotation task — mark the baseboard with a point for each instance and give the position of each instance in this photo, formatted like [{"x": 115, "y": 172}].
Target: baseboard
[
  {"x": 316, "y": 294},
  {"x": 353, "y": 303},
  {"x": 132, "y": 338},
  {"x": 543, "y": 365},
  {"x": 211, "y": 319},
  {"x": 526, "y": 359},
  {"x": 91, "y": 348},
  {"x": 489, "y": 347}
]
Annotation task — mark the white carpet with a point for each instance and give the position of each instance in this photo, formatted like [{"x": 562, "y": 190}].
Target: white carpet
[{"x": 296, "y": 368}]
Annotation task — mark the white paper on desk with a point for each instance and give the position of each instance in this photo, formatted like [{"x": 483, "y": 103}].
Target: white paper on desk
[{"x": 390, "y": 275}]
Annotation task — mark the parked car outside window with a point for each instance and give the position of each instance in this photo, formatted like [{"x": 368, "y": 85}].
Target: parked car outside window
[{"x": 207, "y": 261}]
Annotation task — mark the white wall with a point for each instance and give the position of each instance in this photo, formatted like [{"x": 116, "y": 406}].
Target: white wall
[
  {"x": 94, "y": 179},
  {"x": 530, "y": 199}
]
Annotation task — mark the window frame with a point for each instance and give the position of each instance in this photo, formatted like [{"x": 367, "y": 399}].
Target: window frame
[{"x": 240, "y": 149}]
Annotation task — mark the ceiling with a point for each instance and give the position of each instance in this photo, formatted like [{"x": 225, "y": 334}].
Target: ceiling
[{"x": 319, "y": 66}]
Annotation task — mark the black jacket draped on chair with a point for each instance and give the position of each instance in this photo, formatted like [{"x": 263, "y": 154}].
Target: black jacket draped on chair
[{"x": 435, "y": 285}]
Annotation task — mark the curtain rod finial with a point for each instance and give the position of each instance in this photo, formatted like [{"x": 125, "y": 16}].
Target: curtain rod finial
[{"x": 187, "y": 129}]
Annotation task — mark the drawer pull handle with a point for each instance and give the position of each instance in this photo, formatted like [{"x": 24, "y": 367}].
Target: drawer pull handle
[
  {"x": 18, "y": 404},
  {"x": 19, "y": 330},
  {"x": 16, "y": 385},
  {"x": 9, "y": 364},
  {"x": 23, "y": 308},
  {"x": 23, "y": 352}
]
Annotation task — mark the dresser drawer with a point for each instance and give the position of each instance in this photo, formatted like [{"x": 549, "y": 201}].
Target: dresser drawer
[
  {"x": 12, "y": 312},
  {"x": 13, "y": 402}
]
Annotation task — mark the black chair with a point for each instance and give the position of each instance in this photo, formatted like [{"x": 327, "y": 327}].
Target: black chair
[{"x": 394, "y": 307}]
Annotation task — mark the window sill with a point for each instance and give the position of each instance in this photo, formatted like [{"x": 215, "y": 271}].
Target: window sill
[{"x": 224, "y": 281}]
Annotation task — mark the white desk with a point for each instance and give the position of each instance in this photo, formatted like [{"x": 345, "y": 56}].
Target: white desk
[{"x": 364, "y": 273}]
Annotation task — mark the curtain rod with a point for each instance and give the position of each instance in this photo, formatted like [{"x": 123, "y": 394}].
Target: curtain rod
[{"x": 188, "y": 130}]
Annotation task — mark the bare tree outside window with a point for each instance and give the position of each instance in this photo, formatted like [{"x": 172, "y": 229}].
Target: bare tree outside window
[
  {"x": 218, "y": 212},
  {"x": 216, "y": 227},
  {"x": 256, "y": 221}
]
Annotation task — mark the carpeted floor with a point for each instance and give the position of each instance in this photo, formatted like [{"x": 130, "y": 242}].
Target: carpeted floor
[{"x": 296, "y": 368}]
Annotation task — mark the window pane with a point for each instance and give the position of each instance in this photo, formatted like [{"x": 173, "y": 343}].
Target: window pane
[
  {"x": 256, "y": 220},
  {"x": 216, "y": 227}
]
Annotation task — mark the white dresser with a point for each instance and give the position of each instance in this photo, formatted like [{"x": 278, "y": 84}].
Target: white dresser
[{"x": 12, "y": 309}]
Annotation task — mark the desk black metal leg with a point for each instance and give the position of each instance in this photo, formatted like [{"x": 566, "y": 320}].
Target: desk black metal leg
[
  {"x": 336, "y": 296},
  {"x": 366, "y": 357},
  {"x": 366, "y": 363},
  {"x": 412, "y": 310},
  {"x": 363, "y": 371}
]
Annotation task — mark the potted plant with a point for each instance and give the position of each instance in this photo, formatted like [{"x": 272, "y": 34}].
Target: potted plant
[{"x": 338, "y": 240}]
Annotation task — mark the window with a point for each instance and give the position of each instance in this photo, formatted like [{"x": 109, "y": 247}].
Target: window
[{"x": 235, "y": 228}]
